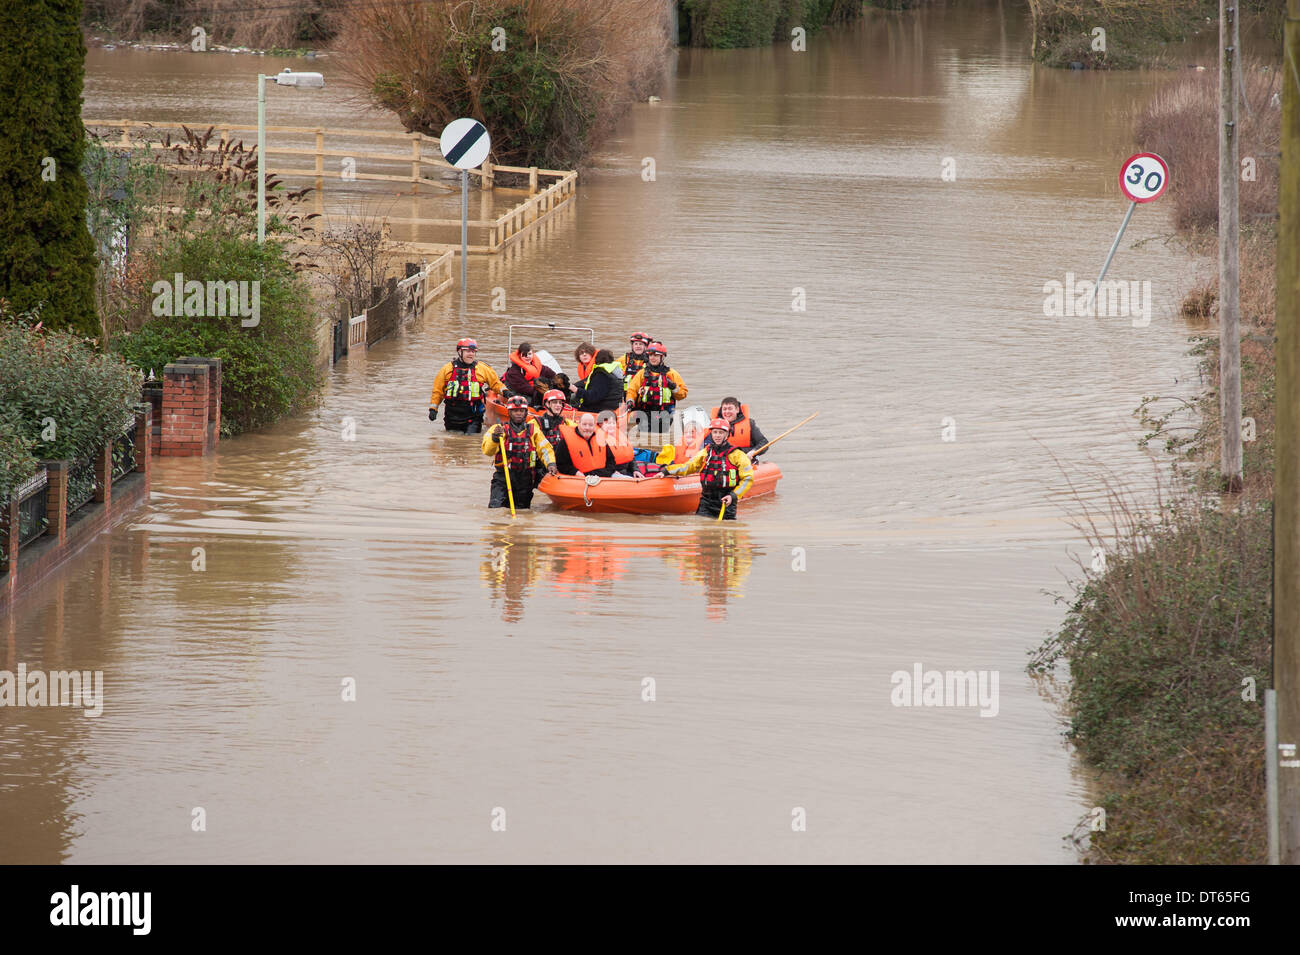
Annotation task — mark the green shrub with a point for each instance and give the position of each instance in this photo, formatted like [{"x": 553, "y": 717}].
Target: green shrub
[
  {"x": 1159, "y": 643},
  {"x": 727, "y": 24},
  {"x": 67, "y": 398},
  {"x": 268, "y": 370},
  {"x": 1162, "y": 645},
  {"x": 17, "y": 463}
]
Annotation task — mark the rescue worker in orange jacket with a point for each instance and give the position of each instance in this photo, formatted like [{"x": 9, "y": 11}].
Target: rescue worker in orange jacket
[
  {"x": 634, "y": 360},
  {"x": 745, "y": 434},
  {"x": 464, "y": 383},
  {"x": 725, "y": 472},
  {"x": 655, "y": 390},
  {"x": 524, "y": 446}
]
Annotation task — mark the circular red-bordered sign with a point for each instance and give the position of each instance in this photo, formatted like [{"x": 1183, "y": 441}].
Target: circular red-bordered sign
[{"x": 1143, "y": 177}]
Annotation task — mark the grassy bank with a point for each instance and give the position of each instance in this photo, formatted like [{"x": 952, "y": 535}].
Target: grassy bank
[{"x": 1169, "y": 645}]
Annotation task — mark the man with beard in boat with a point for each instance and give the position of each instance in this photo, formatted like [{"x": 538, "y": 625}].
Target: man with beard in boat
[
  {"x": 634, "y": 360},
  {"x": 464, "y": 383},
  {"x": 524, "y": 446},
  {"x": 745, "y": 433},
  {"x": 725, "y": 472},
  {"x": 527, "y": 375},
  {"x": 602, "y": 389},
  {"x": 655, "y": 390}
]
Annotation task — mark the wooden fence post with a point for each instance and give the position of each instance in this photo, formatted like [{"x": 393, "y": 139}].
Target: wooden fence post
[
  {"x": 320, "y": 160},
  {"x": 415, "y": 163}
]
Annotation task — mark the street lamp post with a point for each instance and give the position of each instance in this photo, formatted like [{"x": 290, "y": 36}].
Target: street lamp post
[{"x": 285, "y": 77}]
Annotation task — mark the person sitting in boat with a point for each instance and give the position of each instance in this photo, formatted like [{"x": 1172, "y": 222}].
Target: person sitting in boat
[
  {"x": 745, "y": 434},
  {"x": 725, "y": 472},
  {"x": 524, "y": 445},
  {"x": 655, "y": 390},
  {"x": 464, "y": 383},
  {"x": 601, "y": 389},
  {"x": 621, "y": 449},
  {"x": 586, "y": 449},
  {"x": 634, "y": 360},
  {"x": 527, "y": 375},
  {"x": 582, "y": 449},
  {"x": 585, "y": 356}
]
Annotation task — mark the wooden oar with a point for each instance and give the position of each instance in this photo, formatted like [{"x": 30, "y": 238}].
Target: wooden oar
[
  {"x": 784, "y": 433},
  {"x": 505, "y": 466}
]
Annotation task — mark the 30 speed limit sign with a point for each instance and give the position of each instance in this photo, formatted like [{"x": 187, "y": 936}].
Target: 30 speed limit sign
[{"x": 1143, "y": 177}]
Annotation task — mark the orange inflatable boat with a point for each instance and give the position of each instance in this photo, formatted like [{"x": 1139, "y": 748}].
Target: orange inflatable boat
[{"x": 647, "y": 496}]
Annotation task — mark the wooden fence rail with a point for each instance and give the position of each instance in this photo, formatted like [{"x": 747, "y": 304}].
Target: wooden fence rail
[{"x": 499, "y": 233}]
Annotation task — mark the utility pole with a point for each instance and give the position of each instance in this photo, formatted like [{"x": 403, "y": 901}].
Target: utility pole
[
  {"x": 1229, "y": 274},
  {"x": 1286, "y": 500}
]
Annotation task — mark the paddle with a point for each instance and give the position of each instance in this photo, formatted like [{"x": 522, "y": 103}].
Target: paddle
[
  {"x": 722, "y": 510},
  {"x": 784, "y": 433},
  {"x": 505, "y": 466}
]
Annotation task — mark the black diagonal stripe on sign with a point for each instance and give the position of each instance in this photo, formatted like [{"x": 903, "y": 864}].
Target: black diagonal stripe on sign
[{"x": 466, "y": 141}]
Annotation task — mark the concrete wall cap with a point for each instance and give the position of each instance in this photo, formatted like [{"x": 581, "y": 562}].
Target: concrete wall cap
[{"x": 179, "y": 369}]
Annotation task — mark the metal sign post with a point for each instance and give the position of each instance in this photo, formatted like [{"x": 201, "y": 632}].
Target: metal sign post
[
  {"x": 464, "y": 233},
  {"x": 465, "y": 144},
  {"x": 1143, "y": 178}
]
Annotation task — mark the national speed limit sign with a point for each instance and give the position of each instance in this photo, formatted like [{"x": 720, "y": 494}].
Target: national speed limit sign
[{"x": 1143, "y": 177}]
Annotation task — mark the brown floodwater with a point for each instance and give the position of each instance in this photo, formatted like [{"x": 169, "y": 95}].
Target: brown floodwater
[{"x": 499, "y": 664}]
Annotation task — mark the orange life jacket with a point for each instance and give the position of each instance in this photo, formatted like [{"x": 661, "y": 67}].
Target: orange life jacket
[
  {"x": 584, "y": 368},
  {"x": 620, "y": 446},
  {"x": 718, "y": 471},
  {"x": 530, "y": 366},
  {"x": 684, "y": 451},
  {"x": 739, "y": 428},
  {"x": 586, "y": 457}
]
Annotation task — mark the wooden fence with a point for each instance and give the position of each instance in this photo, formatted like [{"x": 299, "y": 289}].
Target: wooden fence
[
  {"x": 418, "y": 157},
  {"x": 404, "y": 301}
]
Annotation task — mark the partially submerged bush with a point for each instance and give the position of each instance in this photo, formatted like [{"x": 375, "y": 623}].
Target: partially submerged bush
[
  {"x": 568, "y": 71},
  {"x": 1169, "y": 652},
  {"x": 268, "y": 370},
  {"x": 728, "y": 24}
]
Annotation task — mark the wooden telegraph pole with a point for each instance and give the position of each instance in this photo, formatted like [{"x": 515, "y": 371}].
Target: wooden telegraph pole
[
  {"x": 1229, "y": 275},
  {"x": 1286, "y": 501}
]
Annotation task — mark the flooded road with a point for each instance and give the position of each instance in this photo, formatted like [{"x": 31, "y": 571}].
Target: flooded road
[{"x": 502, "y": 666}]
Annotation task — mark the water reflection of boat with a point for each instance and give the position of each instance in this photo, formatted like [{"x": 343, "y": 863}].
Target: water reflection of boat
[
  {"x": 577, "y": 566},
  {"x": 719, "y": 559},
  {"x": 647, "y": 496},
  {"x": 587, "y": 568}
]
